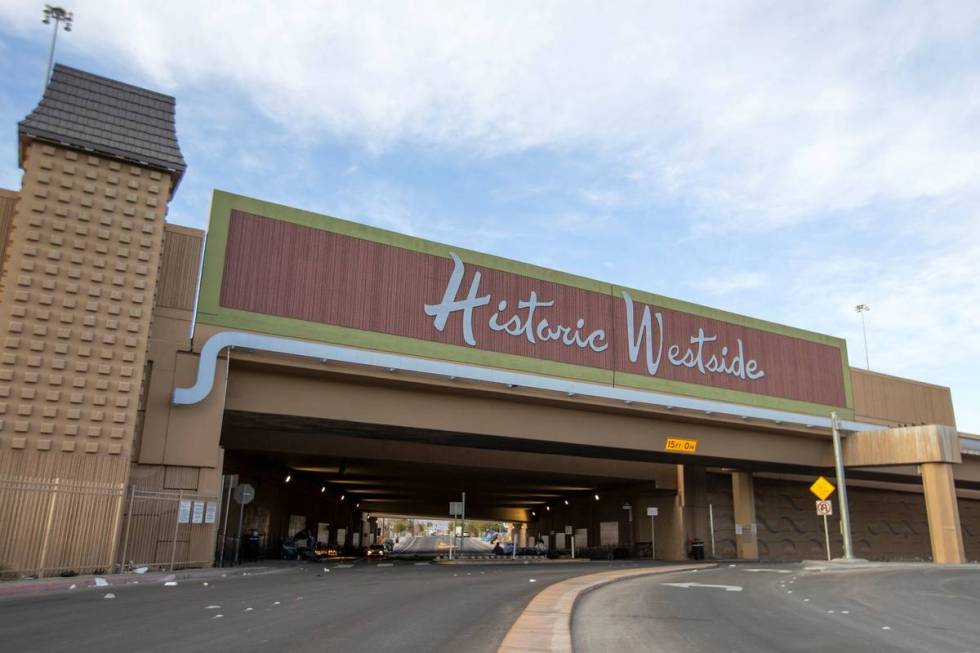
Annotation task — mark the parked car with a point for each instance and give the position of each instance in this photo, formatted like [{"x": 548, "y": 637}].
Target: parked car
[{"x": 375, "y": 551}]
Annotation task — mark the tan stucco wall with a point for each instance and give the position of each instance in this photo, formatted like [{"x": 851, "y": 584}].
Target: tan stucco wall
[
  {"x": 883, "y": 399},
  {"x": 79, "y": 278}
]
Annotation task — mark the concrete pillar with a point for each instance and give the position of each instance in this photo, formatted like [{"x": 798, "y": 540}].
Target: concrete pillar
[
  {"x": 743, "y": 498},
  {"x": 943, "y": 512},
  {"x": 693, "y": 489}
]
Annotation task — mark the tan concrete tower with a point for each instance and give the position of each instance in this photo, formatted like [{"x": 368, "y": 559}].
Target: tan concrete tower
[{"x": 80, "y": 267}]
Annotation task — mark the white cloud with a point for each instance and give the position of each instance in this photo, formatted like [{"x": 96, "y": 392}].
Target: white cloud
[
  {"x": 734, "y": 282},
  {"x": 766, "y": 113},
  {"x": 753, "y": 117}
]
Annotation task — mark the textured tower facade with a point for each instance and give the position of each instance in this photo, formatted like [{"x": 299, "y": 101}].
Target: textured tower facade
[{"x": 80, "y": 270}]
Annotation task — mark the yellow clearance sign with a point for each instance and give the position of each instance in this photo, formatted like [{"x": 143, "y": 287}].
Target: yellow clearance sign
[
  {"x": 681, "y": 445},
  {"x": 822, "y": 488}
]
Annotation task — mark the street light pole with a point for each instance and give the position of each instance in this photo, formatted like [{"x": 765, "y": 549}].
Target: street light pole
[
  {"x": 862, "y": 309},
  {"x": 59, "y": 16}
]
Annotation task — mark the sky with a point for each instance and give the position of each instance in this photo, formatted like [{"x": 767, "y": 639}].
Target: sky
[{"x": 784, "y": 160}]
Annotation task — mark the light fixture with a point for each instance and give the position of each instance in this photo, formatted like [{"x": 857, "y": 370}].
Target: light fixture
[
  {"x": 323, "y": 489},
  {"x": 566, "y": 502},
  {"x": 596, "y": 497},
  {"x": 62, "y": 19},
  {"x": 342, "y": 496},
  {"x": 289, "y": 477},
  {"x": 533, "y": 513},
  {"x": 547, "y": 507},
  {"x": 358, "y": 506},
  {"x": 862, "y": 309}
]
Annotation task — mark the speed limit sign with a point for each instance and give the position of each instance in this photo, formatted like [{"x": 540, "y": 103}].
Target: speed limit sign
[{"x": 825, "y": 508}]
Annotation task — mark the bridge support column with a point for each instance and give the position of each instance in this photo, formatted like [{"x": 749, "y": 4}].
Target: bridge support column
[
  {"x": 945, "y": 532},
  {"x": 743, "y": 497}
]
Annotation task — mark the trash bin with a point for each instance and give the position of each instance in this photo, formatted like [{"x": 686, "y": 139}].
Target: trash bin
[
  {"x": 697, "y": 549},
  {"x": 252, "y": 542}
]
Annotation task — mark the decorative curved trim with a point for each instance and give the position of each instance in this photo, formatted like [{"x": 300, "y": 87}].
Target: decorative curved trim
[{"x": 231, "y": 339}]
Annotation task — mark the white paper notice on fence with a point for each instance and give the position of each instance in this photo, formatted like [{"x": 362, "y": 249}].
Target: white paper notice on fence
[
  {"x": 210, "y": 512},
  {"x": 198, "y": 512},
  {"x": 184, "y": 512}
]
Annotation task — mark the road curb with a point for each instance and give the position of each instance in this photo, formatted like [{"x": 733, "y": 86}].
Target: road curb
[
  {"x": 35, "y": 586},
  {"x": 546, "y": 622},
  {"x": 508, "y": 561}
]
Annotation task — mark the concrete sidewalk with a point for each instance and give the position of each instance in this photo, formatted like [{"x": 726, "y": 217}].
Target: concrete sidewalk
[{"x": 54, "y": 584}]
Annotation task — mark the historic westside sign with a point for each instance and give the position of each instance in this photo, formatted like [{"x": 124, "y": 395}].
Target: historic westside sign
[{"x": 277, "y": 270}]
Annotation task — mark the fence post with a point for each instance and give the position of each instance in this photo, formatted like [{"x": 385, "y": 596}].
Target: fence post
[
  {"x": 47, "y": 527},
  {"x": 226, "y": 503},
  {"x": 129, "y": 527},
  {"x": 173, "y": 550},
  {"x": 116, "y": 532}
]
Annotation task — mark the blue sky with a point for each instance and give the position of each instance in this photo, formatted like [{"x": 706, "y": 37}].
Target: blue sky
[{"x": 782, "y": 160}]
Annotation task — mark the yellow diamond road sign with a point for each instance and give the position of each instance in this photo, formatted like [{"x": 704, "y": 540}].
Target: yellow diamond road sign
[{"x": 822, "y": 488}]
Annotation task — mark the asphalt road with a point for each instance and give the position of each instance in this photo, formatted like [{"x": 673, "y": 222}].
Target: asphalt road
[
  {"x": 439, "y": 544},
  {"x": 783, "y": 608},
  {"x": 400, "y": 606}
]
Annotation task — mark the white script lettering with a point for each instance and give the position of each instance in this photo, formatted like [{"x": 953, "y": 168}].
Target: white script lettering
[
  {"x": 649, "y": 335},
  {"x": 521, "y": 324}
]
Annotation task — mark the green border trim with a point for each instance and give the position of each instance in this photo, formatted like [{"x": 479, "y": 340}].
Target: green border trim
[{"x": 209, "y": 311}]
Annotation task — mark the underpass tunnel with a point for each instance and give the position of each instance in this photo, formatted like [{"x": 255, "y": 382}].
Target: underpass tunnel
[
  {"x": 334, "y": 485},
  {"x": 342, "y": 473}
]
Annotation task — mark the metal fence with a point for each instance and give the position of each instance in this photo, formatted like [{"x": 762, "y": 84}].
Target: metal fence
[
  {"x": 52, "y": 526},
  {"x": 168, "y": 529}
]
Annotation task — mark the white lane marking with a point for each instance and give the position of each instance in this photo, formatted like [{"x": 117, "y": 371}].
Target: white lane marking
[
  {"x": 727, "y": 588},
  {"x": 771, "y": 571},
  {"x": 886, "y": 627},
  {"x": 422, "y": 564},
  {"x": 342, "y": 566},
  {"x": 386, "y": 564}
]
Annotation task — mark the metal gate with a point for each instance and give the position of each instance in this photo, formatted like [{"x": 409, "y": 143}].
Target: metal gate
[{"x": 168, "y": 529}]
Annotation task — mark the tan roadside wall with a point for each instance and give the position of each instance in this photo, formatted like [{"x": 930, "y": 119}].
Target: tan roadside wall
[{"x": 886, "y": 524}]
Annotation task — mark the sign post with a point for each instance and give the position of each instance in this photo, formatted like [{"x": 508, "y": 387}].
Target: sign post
[
  {"x": 824, "y": 509},
  {"x": 462, "y": 530},
  {"x": 822, "y": 488},
  {"x": 711, "y": 527},
  {"x": 652, "y": 514},
  {"x": 244, "y": 494},
  {"x": 571, "y": 534},
  {"x": 455, "y": 509}
]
